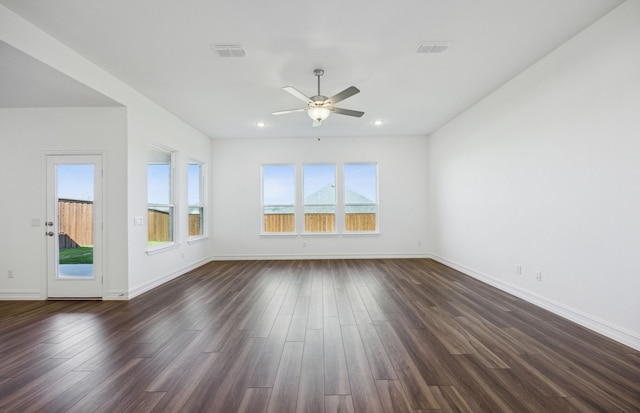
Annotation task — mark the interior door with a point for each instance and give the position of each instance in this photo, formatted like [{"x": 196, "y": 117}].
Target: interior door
[{"x": 73, "y": 229}]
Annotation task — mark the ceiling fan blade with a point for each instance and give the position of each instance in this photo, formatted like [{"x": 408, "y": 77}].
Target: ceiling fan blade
[
  {"x": 284, "y": 112},
  {"x": 348, "y": 92},
  {"x": 295, "y": 92},
  {"x": 347, "y": 112}
]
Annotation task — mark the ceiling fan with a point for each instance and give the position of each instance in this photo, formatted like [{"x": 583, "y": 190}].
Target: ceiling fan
[{"x": 320, "y": 107}]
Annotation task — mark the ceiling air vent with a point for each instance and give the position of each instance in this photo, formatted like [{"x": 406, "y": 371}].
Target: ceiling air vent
[
  {"x": 228, "y": 51},
  {"x": 433, "y": 47}
]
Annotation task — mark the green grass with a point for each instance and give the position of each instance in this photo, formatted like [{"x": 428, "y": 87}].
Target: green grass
[{"x": 80, "y": 255}]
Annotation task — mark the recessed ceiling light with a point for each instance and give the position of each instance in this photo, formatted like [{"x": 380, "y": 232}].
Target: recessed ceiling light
[
  {"x": 378, "y": 122},
  {"x": 261, "y": 124}
]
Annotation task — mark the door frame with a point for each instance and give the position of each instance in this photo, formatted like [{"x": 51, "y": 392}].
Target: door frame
[{"x": 99, "y": 235}]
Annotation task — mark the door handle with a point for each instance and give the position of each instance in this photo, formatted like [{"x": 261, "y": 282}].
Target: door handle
[
  {"x": 50, "y": 233},
  {"x": 49, "y": 224}
]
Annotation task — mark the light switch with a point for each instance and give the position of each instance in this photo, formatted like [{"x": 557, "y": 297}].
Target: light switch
[
  {"x": 138, "y": 220},
  {"x": 35, "y": 222}
]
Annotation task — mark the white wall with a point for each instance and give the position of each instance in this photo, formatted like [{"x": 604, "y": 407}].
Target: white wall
[
  {"x": 146, "y": 122},
  {"x": 146, "y": 127},
  {"x": 26, "y": 136},
  {"x": 236, "y": 186},
  {"x": 545, "y": 173}
]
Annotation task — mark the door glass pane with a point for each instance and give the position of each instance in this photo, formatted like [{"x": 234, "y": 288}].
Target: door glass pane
[{"x": 75, "y": 193}]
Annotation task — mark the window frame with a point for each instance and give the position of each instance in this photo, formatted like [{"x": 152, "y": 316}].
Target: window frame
[
  {"x": 202, "y": 205},
  {"x": 171, "y": 205},
  {"x": 293, "y": 206},
  {"x": 335, "y": 197},
  {"x": 346, "y": 204},
  {"x": 341, "y": 205}
]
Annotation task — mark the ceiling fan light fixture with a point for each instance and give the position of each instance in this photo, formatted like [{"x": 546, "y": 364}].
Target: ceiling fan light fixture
[
  {"x": 319, "y": 107},
  {"x": 319, "y": 113}
]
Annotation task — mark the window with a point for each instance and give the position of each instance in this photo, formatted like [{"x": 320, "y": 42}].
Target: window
[
  {"x": 160, "y": 196},
  {"x": 195, "y": 198},
  {"x": 319, "y": 198},
  {"x": 360, "y": 197},
  {"x": 278, "y": 198},
  {"x": 333, "y": 200}
]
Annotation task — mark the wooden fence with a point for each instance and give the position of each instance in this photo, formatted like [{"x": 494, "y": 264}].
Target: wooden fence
[
  {"x": 361, "y": 222},
  {"x": 279, "y": 223},
  {"x": 75, "y": 223},
  {"x": 194, "y": 225},
  {"x": 159, "y": 230},
  {"x": 319, "y": 222},
  {"x": 159, "y": 226}
]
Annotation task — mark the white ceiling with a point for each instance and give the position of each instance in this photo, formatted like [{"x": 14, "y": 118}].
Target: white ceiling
[{"x": 162, "y": 49}]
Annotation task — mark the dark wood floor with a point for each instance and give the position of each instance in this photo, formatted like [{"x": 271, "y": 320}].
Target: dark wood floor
[{"x": 310, "y": 336}]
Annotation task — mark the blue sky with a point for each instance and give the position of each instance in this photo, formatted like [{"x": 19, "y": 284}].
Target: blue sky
[
  {"x": 279, "y": 184},
  {"x": 317, "y": 177},
  {"x": 75, "y": 182},
  {"x": 158, "y": 183},
  {"x": 279, "y": 181},
  {"x": 361, "y": 178},
  {"x": 193, "y": 180},
  {"x": 158, "y": 176}
]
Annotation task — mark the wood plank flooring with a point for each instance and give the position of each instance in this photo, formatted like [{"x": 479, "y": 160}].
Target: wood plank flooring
[{"x": 310, "y": 336}]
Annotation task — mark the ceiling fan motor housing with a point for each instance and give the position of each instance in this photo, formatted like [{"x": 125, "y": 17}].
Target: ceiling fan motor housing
[{"x": 319, "y": 100}]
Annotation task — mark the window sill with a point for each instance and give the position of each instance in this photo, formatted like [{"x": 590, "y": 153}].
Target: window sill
[
  {"x": 312, "y": 234},
  {"x": 196, "y": 240},
  {"x": 161, "y": 248}
]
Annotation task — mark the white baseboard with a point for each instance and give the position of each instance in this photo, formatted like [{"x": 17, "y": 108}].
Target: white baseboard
[
  {"x": 150, "y": 285},
  {"x": 116, "y": 295},
  {"x": 605, "y": 328},
  {"x": 20, "y": 295},
  {"x": 319, "y": 256}
]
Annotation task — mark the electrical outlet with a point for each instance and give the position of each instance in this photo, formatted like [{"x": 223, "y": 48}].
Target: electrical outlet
[
  {"x": 304, "y": 245},
  {"x": 419, "y": 243},
  {"x": 10, "y": 273},
  {"x": 518, "y": 269},
  {"x": 539, "y": 276}
]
